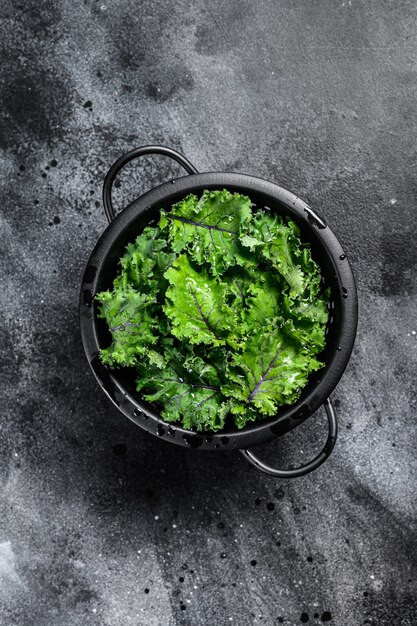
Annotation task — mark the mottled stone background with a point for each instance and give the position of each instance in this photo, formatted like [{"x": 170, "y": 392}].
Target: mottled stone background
[{"x": 101, "y": 524}]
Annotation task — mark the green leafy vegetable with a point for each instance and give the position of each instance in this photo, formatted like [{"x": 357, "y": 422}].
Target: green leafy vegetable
[
  {"x": 209, "y": 228},
  {"x": 188, "y": 388},
  {"x": 196, "y": 305},
  {"x": 263, "y": 303},
  {"x": 270, "y": 372},
  {"x": 133, "y": 328},
  {"x": 144, "y": 263},
  {"x": 220, "y": 310},
  {"x": 278, "y": 242}
]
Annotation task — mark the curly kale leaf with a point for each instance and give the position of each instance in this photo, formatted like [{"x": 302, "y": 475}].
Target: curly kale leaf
[
  {"x": 209, "y": 228},
  {"x": 277, "y": 240},
  {"x": 263, "y": 302},
  {"x": 270, "y": 372},
  {"x": 131, "y": 323},
  {"x": 144, "y": 263},
  {"x": 221, "y": 313},
  {"x": 197, "y": 308},
  {"x": 188, "y": 388}
]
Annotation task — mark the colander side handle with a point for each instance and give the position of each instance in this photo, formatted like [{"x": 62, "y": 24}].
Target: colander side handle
[
  {"x": 129, "y": 156},
  {"x": 308, "y": 467}
]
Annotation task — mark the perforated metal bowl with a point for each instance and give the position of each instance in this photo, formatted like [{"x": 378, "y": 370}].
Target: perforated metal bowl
[{"x": 326, "y": 250}]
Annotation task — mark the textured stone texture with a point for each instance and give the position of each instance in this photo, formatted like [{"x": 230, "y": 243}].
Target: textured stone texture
[{"x": 100, "y": 524}]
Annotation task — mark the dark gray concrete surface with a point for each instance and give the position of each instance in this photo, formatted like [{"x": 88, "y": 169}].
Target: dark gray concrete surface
[{"x": 100, "y": 524}]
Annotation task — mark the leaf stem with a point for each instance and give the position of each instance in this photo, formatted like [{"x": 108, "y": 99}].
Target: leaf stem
[
  {"x": 203, "y": 317},
  {"x": 201, "y": 224},
  {"x": 255, "y": 390}
]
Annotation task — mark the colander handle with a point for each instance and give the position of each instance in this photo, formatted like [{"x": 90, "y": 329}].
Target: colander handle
[
  {"x": 129, "y": 156},
  {"x": 308, "y": 467}
]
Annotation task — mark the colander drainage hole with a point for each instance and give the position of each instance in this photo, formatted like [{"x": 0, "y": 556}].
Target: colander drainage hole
[
  {"x": 194, "y": 441},
  {"x": 138, "y": 413}
]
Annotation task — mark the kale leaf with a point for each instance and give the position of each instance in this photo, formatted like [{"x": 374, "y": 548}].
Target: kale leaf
[
  {"x": 220, "y": 309},
  {"x": 270, "y": 372},
  {"x": 209, "y": 228},
  {"x": 187, "y": 386},
  {"x": 128, "y": 314},
  {"x": 197, "y": 307}
]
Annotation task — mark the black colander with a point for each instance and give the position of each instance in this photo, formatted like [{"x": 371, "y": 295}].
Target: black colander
[{"x": 102, "y": 268}]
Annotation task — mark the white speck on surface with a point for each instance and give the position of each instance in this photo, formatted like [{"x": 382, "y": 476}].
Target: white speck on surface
[
  {"x": 393, "y": 201},
  {"x": 8, "y": 571}
]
